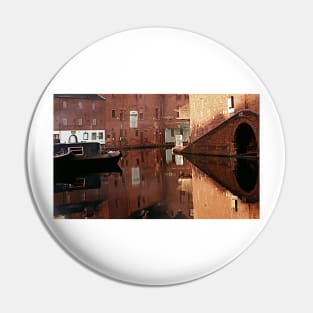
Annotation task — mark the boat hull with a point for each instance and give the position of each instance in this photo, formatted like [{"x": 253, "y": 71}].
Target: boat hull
[{"x": 87, "y": 164}]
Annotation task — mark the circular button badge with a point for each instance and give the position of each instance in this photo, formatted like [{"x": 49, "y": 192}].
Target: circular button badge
[{"x": 155, "y": 156}]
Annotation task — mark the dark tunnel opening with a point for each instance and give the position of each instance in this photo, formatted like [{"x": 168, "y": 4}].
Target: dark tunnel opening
[{"x": 245, "y": 140}]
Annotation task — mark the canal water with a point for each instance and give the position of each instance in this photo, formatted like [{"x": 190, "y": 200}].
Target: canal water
[{"x": 157, "y": 184}]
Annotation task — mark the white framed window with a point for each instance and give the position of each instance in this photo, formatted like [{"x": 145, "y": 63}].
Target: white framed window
[
  {"x": 64, "y": 105},
  {"x": 133, "y": 119},
  {"x": 93, "y": 106},
  {"x": 80, "y": 121},
  {"x": 85, "y": 136},
  {"x": 80, "y": 105},
  {"x": 94, "y": 121},
  {"x": 100, "y": 135},
  {"x": 64, "y": 121},
  {"x": 93, "y": 136},
  {"x": 231, "y": 104}
]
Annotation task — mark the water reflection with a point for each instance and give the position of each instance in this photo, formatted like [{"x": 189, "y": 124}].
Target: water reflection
[{"x": 157, "y": 184}]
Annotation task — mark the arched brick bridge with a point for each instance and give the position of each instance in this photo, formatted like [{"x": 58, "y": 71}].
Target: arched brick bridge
[{"x": 237, "y": 136}]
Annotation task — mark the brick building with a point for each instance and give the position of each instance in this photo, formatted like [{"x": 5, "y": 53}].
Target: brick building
[
  {"x": 207, "y": 111},
  {"x": 224, "y": 124},
  {"x": 79, "y": 117},
  {"x": 176, "y": 117},
  {"x": 122, "y": 120}
]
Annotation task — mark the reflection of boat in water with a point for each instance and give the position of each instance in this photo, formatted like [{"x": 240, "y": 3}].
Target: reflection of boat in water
[
  {"x": 77, "y": 183},
  {"x": 84, "y": 157},
  {"x": 85, "y": 209},
  {"x": 66, "y": 174}
]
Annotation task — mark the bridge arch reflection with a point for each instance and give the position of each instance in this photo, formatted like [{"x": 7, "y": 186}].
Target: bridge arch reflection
[{"x": 239, "y": 176}]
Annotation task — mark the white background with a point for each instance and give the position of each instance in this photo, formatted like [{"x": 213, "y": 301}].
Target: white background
[{"x": 275, "y": 273}]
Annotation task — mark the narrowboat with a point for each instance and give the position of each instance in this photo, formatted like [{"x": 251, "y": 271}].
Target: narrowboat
[{"x": 85, "y": 156}]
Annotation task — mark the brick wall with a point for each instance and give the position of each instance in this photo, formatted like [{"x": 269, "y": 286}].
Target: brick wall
[
  {"x": 221, "y": 140},
  {"x": 156, "y": 112},
  {"x": 79, "y": 113},
  {"x": 207, "y": 111}
]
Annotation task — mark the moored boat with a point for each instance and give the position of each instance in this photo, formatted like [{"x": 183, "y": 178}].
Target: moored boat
[
  {"x": 84, "y": 157},
  {"x": 62, "y": 156}
]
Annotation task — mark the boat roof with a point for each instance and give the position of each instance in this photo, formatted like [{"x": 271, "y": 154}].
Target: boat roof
[{"x": 80, "y": 96}]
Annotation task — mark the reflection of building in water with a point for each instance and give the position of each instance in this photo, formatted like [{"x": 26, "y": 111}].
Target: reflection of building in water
[
  {"x": 239, "y": 176},
  {"x": 225, "y": 188},
  {"x": 157, "y": 184},
  {"x": 212, "y": 201},
  {"x": 140, "y": 186},
  {"x": 148, "y": 183},
  {"x": 178, "y": 187}
]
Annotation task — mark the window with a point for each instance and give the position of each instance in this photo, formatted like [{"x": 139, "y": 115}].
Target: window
[
  {"x": 172, "y": 132},
  {"x": 121, "y": 115},
  {"x": 94, "y": 121},
  {"x": 113, "y": 114},
  {"x": 156, "y": 113},
  {"x": 181, "y": 131},
  {"x": 85, "y": 136},
  {"x": 93, "y": 136},
  {"x": 80, "y": 105},
  {"x": 64, "y": 121},
  {"x": 230, "y": 102},
  {"x": 177, "y": 113},
  {"x": 133, "y": 119},
  {"x": 80, "y": 121},
  {"x": 141, "y": 116},
  {"x": 100, "y": 135},
  {"x": 93, "y": 106},
  {"x": 64, "y": 104}
]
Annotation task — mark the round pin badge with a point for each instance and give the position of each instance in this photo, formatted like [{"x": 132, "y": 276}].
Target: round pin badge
[{"x": 155, "y": 156}]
